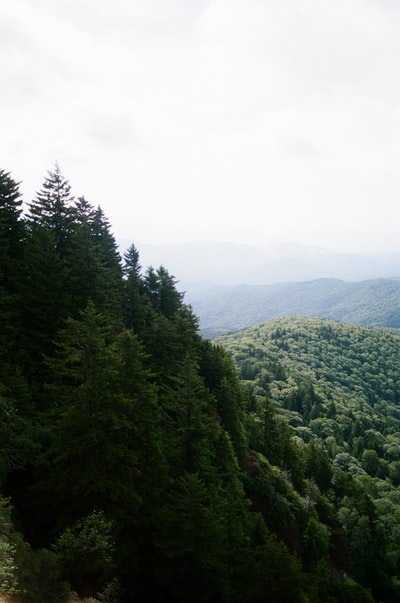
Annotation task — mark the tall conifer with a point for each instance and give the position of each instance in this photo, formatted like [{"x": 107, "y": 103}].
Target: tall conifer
[
  {"x": 12, "y": 233},
  {"x": 52, "y": 207},
  {"x": 135, "y": 302}
]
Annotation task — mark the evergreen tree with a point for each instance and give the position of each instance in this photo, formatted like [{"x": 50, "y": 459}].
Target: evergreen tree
[
  {"x": 52, "y": 208},
  {"x": 93, "y": 268},
  {"x": 170, "y": 332},
  {"x": 318, "y": 466},
  {"x": 136, "y": 533},
  {"x": 45, "y": 301},
  {"x": 12, "y": 234},
  {"x": 82, "y": 263},
  {"x": 190, "y": 422},
  {"x": 161, "y": 289},
  {"x": 192, "y": 545},
  {"x": 271, "y": 445},
  {"x": 270, "y": 573},
  {"x": 107, "y": 252},
  {"x": 106, "y": 449},
  {"x": 135, "y": 303},
  {"x": 221, "y": 378},
  {"x": 94, "y": 464}
]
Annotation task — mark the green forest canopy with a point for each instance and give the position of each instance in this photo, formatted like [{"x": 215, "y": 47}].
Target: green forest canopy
[{"x": 136, "y": 465}]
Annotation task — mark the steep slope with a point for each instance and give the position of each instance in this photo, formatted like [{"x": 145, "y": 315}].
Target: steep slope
[
  {"x": 369, "y": 303},
  {"x": 326, "y": 409},
  {"x": 332, "y": 381}
]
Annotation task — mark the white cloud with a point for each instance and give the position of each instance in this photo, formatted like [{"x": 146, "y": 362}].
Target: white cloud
[{"x": 227, "y": 119}]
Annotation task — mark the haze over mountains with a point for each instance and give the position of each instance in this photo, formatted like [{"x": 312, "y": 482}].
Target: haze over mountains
[
  {"x": 232, "y": 264},
  {"x": 374, "y": 302},
  {"x": 231, "y": 286}
]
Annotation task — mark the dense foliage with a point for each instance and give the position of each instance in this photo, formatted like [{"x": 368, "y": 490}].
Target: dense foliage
[
  {"x": 134, "y": 465},
  {"x": 326, "y": 412}
]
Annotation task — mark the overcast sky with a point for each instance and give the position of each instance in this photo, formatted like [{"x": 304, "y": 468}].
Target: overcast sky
[{"x": 253, "y": 121}]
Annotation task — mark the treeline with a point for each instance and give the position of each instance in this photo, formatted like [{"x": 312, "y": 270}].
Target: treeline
[{"x": 134, "y": 466}]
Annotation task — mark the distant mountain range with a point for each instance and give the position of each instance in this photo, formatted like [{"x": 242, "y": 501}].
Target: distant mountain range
[
  {"x": 369, "y": 303},
  {"x": 207, "y": 263},
  {"x": 232, "y": 286}
]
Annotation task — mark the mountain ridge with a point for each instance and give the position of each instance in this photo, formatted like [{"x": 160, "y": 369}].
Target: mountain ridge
[
  {"x": 374, "y": 302},
  {"x": 219, "y": 263}
]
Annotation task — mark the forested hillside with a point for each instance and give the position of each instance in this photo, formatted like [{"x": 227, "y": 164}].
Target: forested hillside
[
  {"x": 373, "y": 302},
  {"x": 134, "y": 464},
  {"x": 327, "y": 411}
]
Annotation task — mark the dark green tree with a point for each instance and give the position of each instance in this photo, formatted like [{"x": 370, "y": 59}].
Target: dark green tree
[
  {"x": 221, "y": 378},
  {"x": 107, "y": 252},
  {"x": 136, "y": 306},
  {"x": 12, "y": 232},
  {"x": 52, "y": 208},
  {"x": 318, "y": 466},
  {"x": 92, "y": 261},
  {"x": 44, "y": 293},
  {"x": 192, "y": 545},
  {"x": 12, "y": 235},
  {"x": 136, "y": 532},
  {"x": 161, "y": 289},
  {"x": 271, "y": 446},
  {"x": 94, "y": 462},
  {"x": 106, "y": 451},
  {"x": 190, "y": 421},
  {"x": 268, "y": 571},
  {"x": 45, "y": 301},
  {"x": 171, "y": 330}
]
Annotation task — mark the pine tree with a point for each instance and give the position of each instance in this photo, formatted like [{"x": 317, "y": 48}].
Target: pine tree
[
  {"x": 93, "y": 463},
  {"x": 94, "y": 271},
  {"x": 170, "y": 330},
  {"x": 107, "y": 253},
  {"x": 192, "y": 545},
  {"x": 52, "y": 208},
  {"x": 12, "y": 234},
  {"x": 106, "y": 448},
  {"x": 221, "y": 378},
  {"x": 161, "y": 289},
  {"x": 135, "y": 303},
  {"x": 45, "y": 301},
  {"x": 12, "y": 231},
  {"x": 190, "y": 422},
  {"x": 82, "y": 262},
  {"x": 15, "y": 431},
  {"x": 137, "y": 555}
]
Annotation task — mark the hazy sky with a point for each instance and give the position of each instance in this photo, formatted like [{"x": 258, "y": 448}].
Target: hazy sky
[{"x": 252, "y": 121}]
